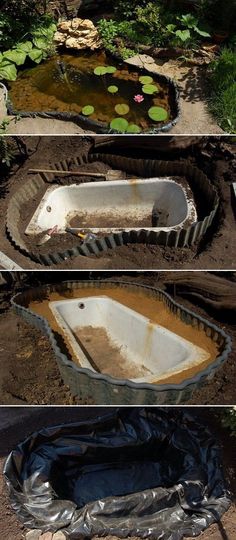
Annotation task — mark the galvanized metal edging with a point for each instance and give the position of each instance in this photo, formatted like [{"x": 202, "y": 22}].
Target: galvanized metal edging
[
  {"x": 141, "y": 167},
  {"x": 108, "y": 389}
]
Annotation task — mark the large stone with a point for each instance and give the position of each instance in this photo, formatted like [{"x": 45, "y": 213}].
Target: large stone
[
  {"x": 33, "y": 534},
  {"x": 78, "y": 34},
  {"x": 46, "y": 536},
  {"x": 59, "y": 536}
]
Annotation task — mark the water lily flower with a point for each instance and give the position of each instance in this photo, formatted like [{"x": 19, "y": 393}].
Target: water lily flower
[{"x": 139, "y": 98}]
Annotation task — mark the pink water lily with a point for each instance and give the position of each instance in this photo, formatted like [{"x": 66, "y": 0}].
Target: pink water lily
[{"x": 139, "y": 98}]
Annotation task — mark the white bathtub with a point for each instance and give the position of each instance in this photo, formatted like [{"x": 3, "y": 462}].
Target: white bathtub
[
  {"x": 124, "y": 202},
  {"x": 142, "y": 343}
]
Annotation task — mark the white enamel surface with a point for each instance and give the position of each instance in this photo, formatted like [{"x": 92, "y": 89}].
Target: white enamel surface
[
  {"x": 121, "y": 198},
  {"x": 143, "y": 343}
]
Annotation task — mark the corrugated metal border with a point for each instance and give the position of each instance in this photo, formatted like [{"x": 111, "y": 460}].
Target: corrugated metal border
[
  {"x": 104, "y": 389},
  {"x": 140, "y": 167},
  {"x": 99, "y": 127}
]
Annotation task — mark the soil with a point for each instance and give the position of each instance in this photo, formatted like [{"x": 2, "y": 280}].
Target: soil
[
  {"x": 33, "y": 377},
  {"x": 100, "y": 348},
  {"x": 215, "y": 157},
  {"x": 19, "y": 423}
]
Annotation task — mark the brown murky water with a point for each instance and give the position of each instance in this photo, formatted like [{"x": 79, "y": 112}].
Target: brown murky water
[
  {"x": 141, "y": 302},
  {"x": 46, "y": 88}
]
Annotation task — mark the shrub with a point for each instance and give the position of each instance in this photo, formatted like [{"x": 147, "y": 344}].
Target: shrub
[{"x": 229, "y": 420}]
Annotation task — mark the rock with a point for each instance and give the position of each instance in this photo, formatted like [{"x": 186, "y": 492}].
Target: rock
[
  {"x": 59, "y": 536},
  {"x": 78, "y": 34},
  {"x": 46, "y": 536},
  {"x": 33, "y": 534}
]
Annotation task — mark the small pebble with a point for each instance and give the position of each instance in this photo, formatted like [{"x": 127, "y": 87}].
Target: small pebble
[
  {"x": 59, "y": 536},
  {"x": 33, "y": 534}
]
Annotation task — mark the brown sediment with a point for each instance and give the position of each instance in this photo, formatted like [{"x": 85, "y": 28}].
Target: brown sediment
[
  {"x": 119, "y": 220},
  {"x": 105, "y": 356},
  {"x": 142, "y": 303}
]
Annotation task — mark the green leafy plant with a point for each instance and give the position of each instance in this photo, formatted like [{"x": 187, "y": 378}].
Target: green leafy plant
[
  {"x": 122, "y": 126},
  {"x": 187, "y": 32},
  {"x": 229, "y": 420},
  {"x": 122, "y": 109},
  {"x": 133, "y": 128},
  {"x": 150, "y": 89},
  {"x": 158, "y": 114},
  {"x": 146, "y": 79},
  {"x": 119, "y": 124},
  {"x": 88, "y": 110},
  {"x": 113, "y": 89},
  {"x": 36, "y": 46},
  {"x": 222, "y": 99}
]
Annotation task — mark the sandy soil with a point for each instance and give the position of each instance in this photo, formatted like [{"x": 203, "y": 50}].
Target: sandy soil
[
  {"x": 18, "y": 424},
  {"x": 216, "y": 249},
  {"x": 29, "y": 373}
]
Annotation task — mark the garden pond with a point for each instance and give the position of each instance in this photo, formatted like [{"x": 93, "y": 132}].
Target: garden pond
[{"x": 101, "y": 91}]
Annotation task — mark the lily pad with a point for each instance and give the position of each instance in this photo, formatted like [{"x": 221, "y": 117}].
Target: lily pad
[
  {"x": 111, "y": 69},
  {"x": 100, "y": 70},
  {"x": 150, "y": 89},
  {"x": 113, "y": 89},
  {"x": 133, "y": 128},
  {"x": 119, "y": 124},
  {"x": 146, "y": 79},
  {"x": 122, "y": 109},
  {"x": 87, "y": 110},
  {"x": 158, "y": 114}
]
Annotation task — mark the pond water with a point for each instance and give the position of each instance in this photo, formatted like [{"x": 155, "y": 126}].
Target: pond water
[{"x": 67, "y": 83}]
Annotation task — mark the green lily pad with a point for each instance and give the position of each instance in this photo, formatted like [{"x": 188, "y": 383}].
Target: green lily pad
[
  {"x": 158, "y": 114},
  {"x": 133, "y": 128},
  {"x": 119, "y": 124},
  {"x": 150, "y": 89},
  {"x": 145, "y": 79},
  {"x": 113, "y": 89},
  {"x": 87, "y": 110},
  {"x": 111, "y": 69},
  {"x": 100, "y": 70},
  {"x": 122, "y": 109}
]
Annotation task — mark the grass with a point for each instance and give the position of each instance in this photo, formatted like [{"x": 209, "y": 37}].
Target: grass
[{"x": 222, "y": 101}]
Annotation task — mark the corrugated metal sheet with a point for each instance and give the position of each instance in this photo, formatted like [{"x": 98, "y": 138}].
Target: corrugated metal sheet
[
  {"x": 198, "y": 181},
  {"x": 104, "y": 389}
]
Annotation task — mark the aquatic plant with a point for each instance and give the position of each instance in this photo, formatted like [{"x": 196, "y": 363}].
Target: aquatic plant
[
  {"x": 113, "y": 89},
  {"x": 122, "y": 109},
  {"x": 119, "y": 124},
  {"x": 150, "y": 89},
  {"x": 158, "y": 114},
  {"x": 146, "y": 79},
  {"x": 88, "y": 110},
  {"x": 138, "y": 98}
]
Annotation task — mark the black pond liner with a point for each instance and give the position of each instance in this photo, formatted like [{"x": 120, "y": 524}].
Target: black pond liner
[
  {"x": 107, "y": 390},
  {"x": 88, "y": 124},
  {"x": 202, "y": 189},
  {"x": 151, "y": 473}
]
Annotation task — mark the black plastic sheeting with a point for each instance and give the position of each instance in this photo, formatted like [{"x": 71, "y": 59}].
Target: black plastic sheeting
[{"x": 150, "y": 472}]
